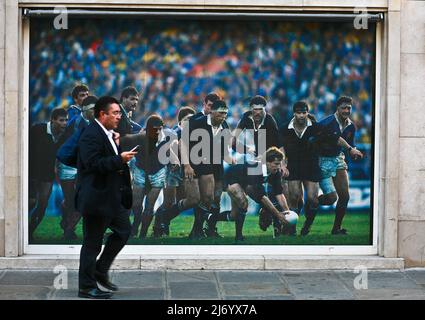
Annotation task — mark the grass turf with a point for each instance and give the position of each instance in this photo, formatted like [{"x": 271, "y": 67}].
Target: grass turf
[{"x": 357, "y": 224}]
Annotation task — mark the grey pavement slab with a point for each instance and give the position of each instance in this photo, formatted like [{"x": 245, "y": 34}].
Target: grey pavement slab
[
  {"x": 316, "y": 286},
  {"x": 248, "y": 276},
  {"x": 27, "y": 277},
  {"x": 140, "y": 294},
  {"x": 136, "y": 279},
  {"x": 254, "y": 289},
  {"x": 193, "y": 290},
  {"x": 277, "y": 297},
  {"x": 416, "y": 275},
  {"x": 380, "y": 280},
  {"x": 11, "y": 292},
  {"x": 390, "y": 294},
  {"x": 190, "y": 276}
]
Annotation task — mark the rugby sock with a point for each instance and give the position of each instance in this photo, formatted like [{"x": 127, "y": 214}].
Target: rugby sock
[
  {"x": 174, "y": 211},
  {"x": 310, "y": 214},
  {"x": 224, "y": 216},
  {"x": 339, "y": 216},
  {"x": 239, "y": 221},
  {"x": 146, "y": 222}
]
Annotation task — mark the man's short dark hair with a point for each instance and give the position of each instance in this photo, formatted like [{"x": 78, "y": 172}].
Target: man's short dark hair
[
  {"x": 212, "y": 96},
  {"x": 300, "y": 106},
  {"x": 154, "y": 120},
  {"x": 58, "y": 112},
  {"x": 184, "y": 111},
  {"x": 89, "y": 100},
  {"x": 218, "y": 104},
  {"x": 77, "y": 89},
  {"x": 103, "y": 104},
  {"x": 128, "y": 91},
  {"x": 258, "y": 100},
  {"x": 273, "y": 154},
  {"x": 344, "y": 100}
]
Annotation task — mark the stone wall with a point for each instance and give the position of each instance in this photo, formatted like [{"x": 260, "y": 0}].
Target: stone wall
[{"x": 411, "y": 231}]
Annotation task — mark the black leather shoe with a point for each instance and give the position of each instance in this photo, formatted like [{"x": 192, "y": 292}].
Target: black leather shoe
[
  {"x": 104, "y": 281},
  {"x": 94, "y": 293}
]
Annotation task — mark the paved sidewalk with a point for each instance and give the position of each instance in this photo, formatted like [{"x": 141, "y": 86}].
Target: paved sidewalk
[{"x": 221, "y": 285}]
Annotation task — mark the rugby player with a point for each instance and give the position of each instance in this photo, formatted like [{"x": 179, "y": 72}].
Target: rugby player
[
  {"x": 334, "y": 183},
  {"x": 264, "y": 187},
  {"x": 213, "y": 136},
  {"x": 44, "y": 141}
]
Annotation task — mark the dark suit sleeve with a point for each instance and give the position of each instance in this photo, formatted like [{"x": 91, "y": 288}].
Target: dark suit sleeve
[{"x": 92, "y": 154}]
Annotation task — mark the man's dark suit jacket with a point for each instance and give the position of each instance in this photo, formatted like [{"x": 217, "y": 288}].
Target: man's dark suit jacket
[{"x": 103, "y": 180}]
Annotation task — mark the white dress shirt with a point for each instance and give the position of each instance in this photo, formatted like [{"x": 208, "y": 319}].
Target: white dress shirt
[{"x": 110, "y": 135}]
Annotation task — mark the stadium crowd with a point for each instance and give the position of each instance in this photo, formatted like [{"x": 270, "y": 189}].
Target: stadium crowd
[{"x": 174, "y": 63}]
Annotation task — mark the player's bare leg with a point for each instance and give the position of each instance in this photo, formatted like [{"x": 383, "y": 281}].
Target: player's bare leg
[
  {"x": 239, "y": 208},
  {"x": 138, "y": 197},
  {"x": 342, "y": 189},
  {"x": 147, "y": 214}
]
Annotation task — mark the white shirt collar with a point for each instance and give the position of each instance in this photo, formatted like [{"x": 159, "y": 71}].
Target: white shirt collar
[
  {"x": 161, "y": 137},
  {"x": 49, "y": 131},
  {"x": 262, "y": 121},
  {"x": 264, "y": 169},
  {"x": 109, "y": 134},
  {"x": 341, "y": 125},
  {"x": 291, "y": 126},
  {"x": 214, "y": 130}
]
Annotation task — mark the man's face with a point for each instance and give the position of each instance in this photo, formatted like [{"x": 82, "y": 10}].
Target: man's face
[
  {"x": 80, "y": 97},
  {"x": 153, "y": 133},
  {"x": 59, "y": 124},
  {"x": 207, "y": 107},
  {"x": 273, "y": 166},
  {"x": 258, "y": 114},
  {"x": 111, "y": 117},
  {"x": 89, "y": 114},
  {"x": 130, "y": 103},
  {"x": 300, "y": 117},
  {"x": 344, "y": 111},
  {"x": 217, "y": 118}
]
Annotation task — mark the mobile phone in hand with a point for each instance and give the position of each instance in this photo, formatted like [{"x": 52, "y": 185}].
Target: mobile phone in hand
[{"x": 135, "y": 149}]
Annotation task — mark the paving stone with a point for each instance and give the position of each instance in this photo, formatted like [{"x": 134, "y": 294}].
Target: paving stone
[
  {"x": 69, "y": 294},
  {"x": 386, "y": 294},
  {"x": 380, "y": 280},
  {"x": 137, "y": 279},
  {"x": 15, "y": 292},
  {"x": 248, "y": 276},
  {"x": 27, "y": 277},
  {"x": 140, "y": 294},
  {"x": 277, "y": 297},
  {"x": 254, "y": 289},
  {"x": 416, "y": 275},
  {"x": 193, "y": 290},
  {"x": 189, "y": 276},
  {"x": 322, "y": 285}
]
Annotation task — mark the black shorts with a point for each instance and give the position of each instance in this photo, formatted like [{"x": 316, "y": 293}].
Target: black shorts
[
  {"x": 309, "y": 171},
  {"x": 205, "y": 169},
  {"x": 235, "y": 174}
]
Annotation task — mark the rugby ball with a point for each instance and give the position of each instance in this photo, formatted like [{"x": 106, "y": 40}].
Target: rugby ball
[{"x": 291, "y": 217}]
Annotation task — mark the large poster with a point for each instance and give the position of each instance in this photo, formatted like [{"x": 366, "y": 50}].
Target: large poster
[{"x": 264, "y": 72}]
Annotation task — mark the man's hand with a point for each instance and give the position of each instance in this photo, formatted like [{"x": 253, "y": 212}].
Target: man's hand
[
  {"x": 127, "y": 156},
  {"x": 356, "y": 154},
  {"x": 282, "y": 218},
  {"x": 189, "y": 173}
]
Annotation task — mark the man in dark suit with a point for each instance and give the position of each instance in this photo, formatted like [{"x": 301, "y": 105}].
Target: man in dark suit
[{"x": 103, "y": 196}]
